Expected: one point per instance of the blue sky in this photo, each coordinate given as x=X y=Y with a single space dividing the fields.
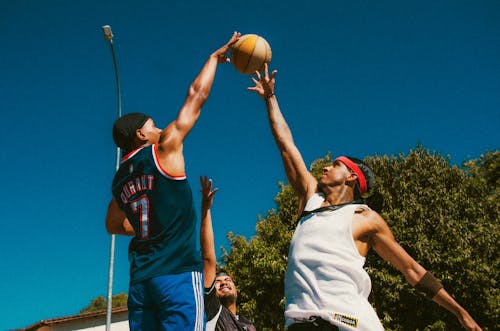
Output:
x=354 y=77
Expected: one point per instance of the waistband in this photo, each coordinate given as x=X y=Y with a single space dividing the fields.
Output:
x=313 y=323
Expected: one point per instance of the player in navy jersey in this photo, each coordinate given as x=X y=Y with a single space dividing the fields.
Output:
x=220 y=290
x=152 y=201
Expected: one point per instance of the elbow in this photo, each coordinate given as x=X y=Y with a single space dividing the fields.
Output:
x=207 y=254
x=108 y=225
x=206 y=260
x=110 y=229
x=122 y=227
x=116 y=221
x=209 y=262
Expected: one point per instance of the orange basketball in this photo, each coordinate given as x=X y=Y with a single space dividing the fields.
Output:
x=250 y=53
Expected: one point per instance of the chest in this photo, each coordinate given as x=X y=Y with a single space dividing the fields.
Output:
x=333 y=231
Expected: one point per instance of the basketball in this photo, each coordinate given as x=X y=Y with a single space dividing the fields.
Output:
x=250 y=53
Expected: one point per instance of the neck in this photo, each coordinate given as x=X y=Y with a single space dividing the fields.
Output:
x=337 y=195
x=229 y=302
x=232 y=308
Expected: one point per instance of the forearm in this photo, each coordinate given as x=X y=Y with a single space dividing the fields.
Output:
x=446 y=301
x=201 y=86
x=279 y=127
x=207 y=238
x=296 y=171
x=200 y=89
x=433 y=289
x=198 y=93
x=207 y=247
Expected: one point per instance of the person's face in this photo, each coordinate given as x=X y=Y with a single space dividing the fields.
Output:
x=224 y=287
x=149 y=132
x=335 y=174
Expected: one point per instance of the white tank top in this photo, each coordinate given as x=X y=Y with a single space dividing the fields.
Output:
x=325 y=275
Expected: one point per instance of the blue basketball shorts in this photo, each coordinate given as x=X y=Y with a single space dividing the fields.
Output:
x=170 y=302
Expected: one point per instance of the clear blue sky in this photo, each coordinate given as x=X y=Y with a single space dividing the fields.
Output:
x=354 y=77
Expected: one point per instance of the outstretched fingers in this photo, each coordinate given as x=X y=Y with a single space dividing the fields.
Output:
x=266 y=71
x=258 y=84
x=264 y=85
x=273 y=74
x=206 y=189
x=221 y=53
x=234 y=38
x=257 y=73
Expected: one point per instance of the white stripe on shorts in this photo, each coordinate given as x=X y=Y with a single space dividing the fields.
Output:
x=197 y=280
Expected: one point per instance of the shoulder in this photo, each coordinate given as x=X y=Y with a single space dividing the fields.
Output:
x=365 y=212
x=368 y=220
x=314 y=201
x=248 y=324
x=212 y=303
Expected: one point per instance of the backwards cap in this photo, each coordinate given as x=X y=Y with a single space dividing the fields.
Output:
x=366 y=177
x=125 y=127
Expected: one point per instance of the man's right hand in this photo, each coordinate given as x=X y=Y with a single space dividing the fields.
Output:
x=221 y=53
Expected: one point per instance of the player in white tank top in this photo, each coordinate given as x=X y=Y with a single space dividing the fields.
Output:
x=325 y=275
x=325 y=279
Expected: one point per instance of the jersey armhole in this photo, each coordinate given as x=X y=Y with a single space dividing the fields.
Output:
x=160 y=168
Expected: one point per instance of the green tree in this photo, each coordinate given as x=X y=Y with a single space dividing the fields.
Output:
x=447 y=219
x=99 y=303
x=445 y=216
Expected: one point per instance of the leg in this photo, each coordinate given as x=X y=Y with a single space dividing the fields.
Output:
x=141 y=313
x=179 y=299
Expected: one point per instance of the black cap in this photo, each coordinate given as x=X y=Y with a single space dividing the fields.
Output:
x=125 y=127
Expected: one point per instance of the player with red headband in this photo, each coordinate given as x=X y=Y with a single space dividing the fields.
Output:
x=326 y=287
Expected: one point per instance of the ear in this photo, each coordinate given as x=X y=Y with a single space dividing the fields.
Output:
x=140 y=135
x=351 y=179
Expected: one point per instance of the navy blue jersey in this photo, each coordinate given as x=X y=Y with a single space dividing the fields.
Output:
x=160 y=208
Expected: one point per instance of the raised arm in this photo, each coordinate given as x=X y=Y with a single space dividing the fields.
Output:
x=206 y=232
x=385 y=245
x=172 y=137
x=296 y=171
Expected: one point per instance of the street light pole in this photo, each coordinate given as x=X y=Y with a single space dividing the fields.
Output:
x=108 y=35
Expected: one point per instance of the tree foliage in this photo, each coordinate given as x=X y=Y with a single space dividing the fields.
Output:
x=446 y=217
x=100 y=303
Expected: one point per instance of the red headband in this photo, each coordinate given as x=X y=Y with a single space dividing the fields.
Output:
x=354 y=167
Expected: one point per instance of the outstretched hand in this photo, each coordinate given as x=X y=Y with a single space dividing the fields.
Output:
x=207 y=193
x=264 y=86
x=221 y=53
